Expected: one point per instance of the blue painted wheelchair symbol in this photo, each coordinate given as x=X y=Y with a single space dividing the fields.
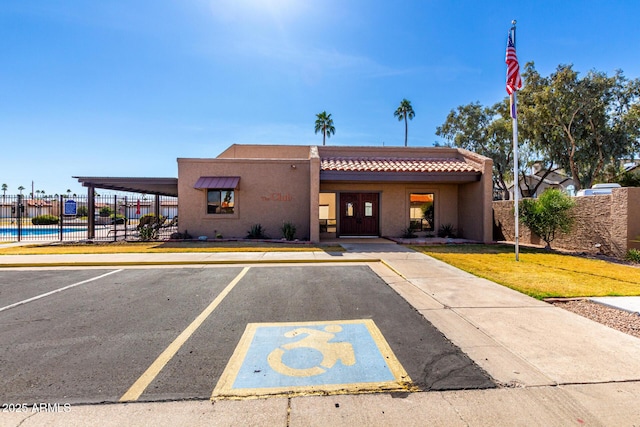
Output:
x=311 y=357
x=316 y=339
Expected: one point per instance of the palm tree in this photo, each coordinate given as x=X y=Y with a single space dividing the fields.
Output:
x=5 y=187
x=324 y=123
x=68 y=192
x=405 y=110
x=20 y=189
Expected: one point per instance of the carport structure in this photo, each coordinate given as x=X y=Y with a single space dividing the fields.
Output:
x=155 y=186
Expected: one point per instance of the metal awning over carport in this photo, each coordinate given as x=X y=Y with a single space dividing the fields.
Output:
x=155 y=186
x=161 y=186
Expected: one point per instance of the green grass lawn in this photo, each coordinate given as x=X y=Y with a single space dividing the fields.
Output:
x=539 y=273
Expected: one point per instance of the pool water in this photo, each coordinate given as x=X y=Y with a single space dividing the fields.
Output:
x=37 y=231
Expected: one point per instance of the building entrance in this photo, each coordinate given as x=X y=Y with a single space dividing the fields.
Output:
x=359 y=214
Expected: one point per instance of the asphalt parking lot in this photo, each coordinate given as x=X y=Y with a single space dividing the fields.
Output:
x=153 y=334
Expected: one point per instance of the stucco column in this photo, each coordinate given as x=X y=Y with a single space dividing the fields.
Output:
x=314 y=194
x=633 y=225
x=487 y=190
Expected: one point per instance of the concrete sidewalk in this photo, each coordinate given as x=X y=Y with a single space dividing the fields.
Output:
x=630 y=304
x=554 y=367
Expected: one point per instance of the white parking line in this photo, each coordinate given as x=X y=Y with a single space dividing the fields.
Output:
x=57 y=290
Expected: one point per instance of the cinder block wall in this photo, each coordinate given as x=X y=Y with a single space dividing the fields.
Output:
x=611 y=221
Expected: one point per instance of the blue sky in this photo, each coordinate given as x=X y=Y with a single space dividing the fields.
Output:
x=124 y=87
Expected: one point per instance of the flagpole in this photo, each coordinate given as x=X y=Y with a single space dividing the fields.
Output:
x=516 y=183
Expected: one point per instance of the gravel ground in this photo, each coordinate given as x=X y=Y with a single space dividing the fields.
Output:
x=621 y=320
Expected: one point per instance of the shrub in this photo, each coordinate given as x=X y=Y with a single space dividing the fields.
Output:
x=547 y=214
x=148 y=232
x=447 y=230
x=256 y=232
x=82 y=211
x=180 y=236
x=45 y=220
x=409 y=233
x=118 y=219
x=105 y=211
x=150 y=219
x=289 y=231
x=633 y=255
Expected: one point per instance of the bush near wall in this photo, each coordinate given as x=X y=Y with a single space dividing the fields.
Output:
x=602 y=224
x=45 y=220
x=633 y=255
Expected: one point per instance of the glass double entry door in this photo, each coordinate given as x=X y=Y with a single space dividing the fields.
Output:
x=359 y=214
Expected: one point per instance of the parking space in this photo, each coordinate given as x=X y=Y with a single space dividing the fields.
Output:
x=174 y=333
x=16 y=286
x=90 y=342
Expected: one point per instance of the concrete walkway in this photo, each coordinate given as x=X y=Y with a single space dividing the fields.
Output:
x=630 y=304
x=554 y=367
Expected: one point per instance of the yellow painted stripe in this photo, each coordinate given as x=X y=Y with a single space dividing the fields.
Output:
x=386 y=264
x=385 y=349
x=150 y=374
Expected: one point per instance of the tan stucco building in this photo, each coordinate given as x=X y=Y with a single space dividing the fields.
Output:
x=328 y=191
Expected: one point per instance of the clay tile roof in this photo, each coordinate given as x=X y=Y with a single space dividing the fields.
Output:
x=37 y=202
x=380 y=164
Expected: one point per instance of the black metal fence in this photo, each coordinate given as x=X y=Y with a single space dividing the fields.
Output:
x=66 y=218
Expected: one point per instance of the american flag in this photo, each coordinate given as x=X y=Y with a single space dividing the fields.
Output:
x=514 y=82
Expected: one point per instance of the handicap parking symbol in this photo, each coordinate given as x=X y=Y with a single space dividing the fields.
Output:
x=319 y=341
x=311 y=357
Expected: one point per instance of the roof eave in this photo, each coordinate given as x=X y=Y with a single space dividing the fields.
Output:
x=161 y=186
x=454 y=177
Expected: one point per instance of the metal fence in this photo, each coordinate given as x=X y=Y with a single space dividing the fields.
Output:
x=66 y=218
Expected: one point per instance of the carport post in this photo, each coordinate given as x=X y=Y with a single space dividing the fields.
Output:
x=61 y=216
x=156 y=206
x=115 y=218
x=126 y=216
x=91 y=220
x=20 y=214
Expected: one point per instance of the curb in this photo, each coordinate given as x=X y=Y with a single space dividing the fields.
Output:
x=386 y=264
x=204 y=262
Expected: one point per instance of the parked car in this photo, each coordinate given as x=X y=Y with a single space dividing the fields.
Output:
x=598 y=190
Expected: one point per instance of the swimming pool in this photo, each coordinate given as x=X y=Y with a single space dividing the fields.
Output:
x=38 y=231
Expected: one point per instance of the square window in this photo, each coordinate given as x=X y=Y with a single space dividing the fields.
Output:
x=220 y=201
